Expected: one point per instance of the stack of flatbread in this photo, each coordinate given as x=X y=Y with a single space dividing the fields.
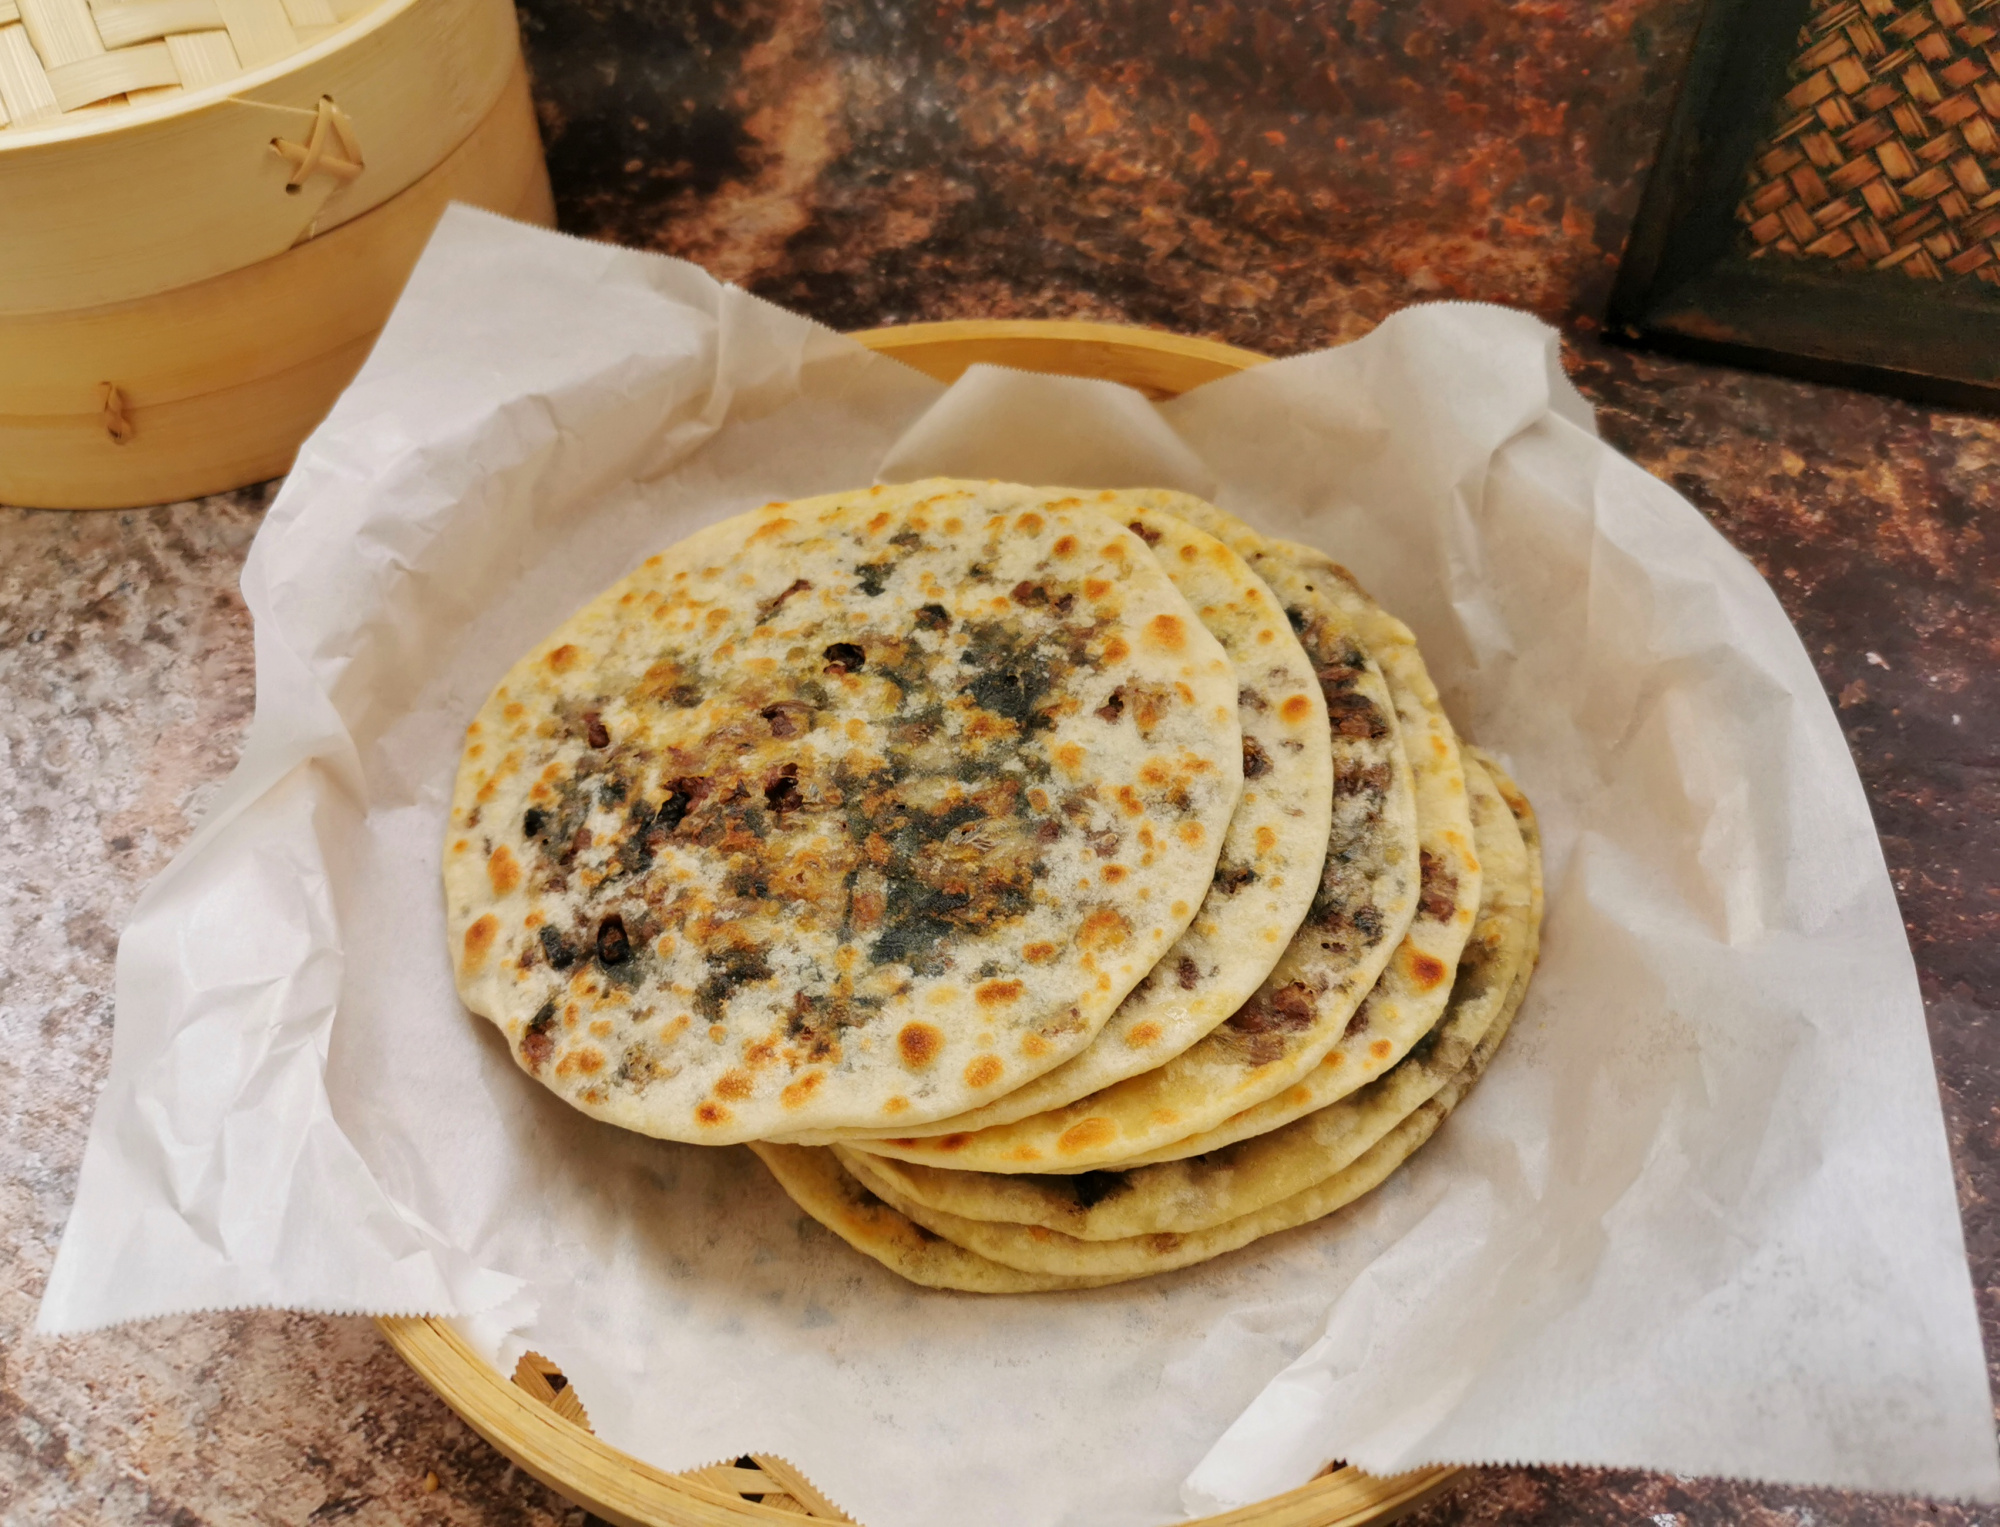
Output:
x=1052 y=888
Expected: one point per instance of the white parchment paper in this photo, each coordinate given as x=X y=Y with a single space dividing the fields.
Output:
x=1698 y=1216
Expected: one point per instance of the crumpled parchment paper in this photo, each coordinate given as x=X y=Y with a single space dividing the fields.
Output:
x=1698 y=1216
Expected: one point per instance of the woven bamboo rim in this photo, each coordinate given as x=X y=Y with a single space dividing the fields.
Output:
x=1885 y=152
x=540 y=1422
x=536 y=1420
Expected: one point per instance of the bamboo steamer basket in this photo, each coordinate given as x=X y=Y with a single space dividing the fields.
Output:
x=543 y=1425
x=171 y=184
x=189 y=274
x=213 y=385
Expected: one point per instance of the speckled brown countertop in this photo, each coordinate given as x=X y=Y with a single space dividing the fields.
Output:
x=1277 y=176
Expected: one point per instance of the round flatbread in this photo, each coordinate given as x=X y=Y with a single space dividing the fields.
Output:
x=814 y=1181
x=1299 y=1147
x=1048 y=1253
x=1410 y=996
x=1485 y=971
x=1367 y=902
x=1531 y=842
x=1271 y=858
x=802 y=824
x=824 y=1187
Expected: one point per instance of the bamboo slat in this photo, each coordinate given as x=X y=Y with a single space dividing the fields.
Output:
x=24 y=84
x=204 y=58
x=307 y=14
x=91 y=55
x=149 y=20
x=260 y=29
x=61 y=31
x=92 y=79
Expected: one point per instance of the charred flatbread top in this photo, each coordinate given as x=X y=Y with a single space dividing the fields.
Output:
x=815 y=820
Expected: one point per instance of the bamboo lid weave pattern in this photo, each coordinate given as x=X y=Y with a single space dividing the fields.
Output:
x=71 y=58
x=1886 y=150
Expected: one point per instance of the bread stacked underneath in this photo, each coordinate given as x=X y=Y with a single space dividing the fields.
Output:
x=1052 y=887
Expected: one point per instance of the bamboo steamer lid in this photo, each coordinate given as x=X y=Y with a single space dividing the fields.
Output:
x=150 y=144
x=212 y=385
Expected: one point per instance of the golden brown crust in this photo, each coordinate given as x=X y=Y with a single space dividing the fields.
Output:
x=815 y=1181
x=1364 y=915
x=806 y=823
x=1272 y=856
x=1295 y=1139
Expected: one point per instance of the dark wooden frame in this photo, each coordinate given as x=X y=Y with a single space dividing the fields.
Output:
x=1687 y=284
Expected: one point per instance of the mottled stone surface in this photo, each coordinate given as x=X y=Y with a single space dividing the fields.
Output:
x=1277 y=176
x=125 y=689
x=1281 y=176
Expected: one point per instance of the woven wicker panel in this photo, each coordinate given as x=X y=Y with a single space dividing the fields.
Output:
x=63 y=59
x=1886 y=150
